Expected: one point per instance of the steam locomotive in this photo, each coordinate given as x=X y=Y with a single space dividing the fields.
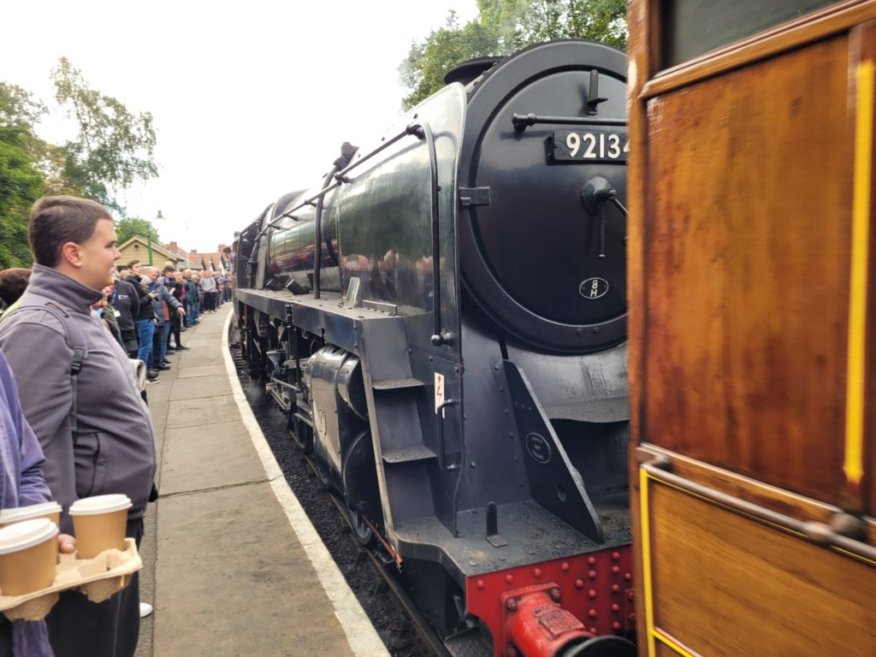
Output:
x=442 y=319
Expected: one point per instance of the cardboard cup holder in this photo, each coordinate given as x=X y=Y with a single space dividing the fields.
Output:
x=99 y=578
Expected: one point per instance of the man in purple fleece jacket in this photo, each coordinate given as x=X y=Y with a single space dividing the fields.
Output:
x=113 y=451
x=21 y=484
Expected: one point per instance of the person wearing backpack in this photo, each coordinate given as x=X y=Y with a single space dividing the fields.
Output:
x=79 y=395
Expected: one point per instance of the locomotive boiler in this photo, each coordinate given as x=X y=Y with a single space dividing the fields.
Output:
x=442 y=318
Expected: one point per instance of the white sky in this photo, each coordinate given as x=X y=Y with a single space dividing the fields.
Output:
x=250 y=100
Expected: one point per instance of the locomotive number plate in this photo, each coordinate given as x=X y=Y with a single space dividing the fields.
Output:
x=590 y=145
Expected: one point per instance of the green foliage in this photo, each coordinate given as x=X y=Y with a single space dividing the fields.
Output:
x=424 y=69
x=128 y=227
x=114 y=146
x=503 y=27
x=520 y=23
x=18 y=107
x=21 y=181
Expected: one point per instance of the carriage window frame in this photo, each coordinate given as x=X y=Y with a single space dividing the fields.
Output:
x=693 y=28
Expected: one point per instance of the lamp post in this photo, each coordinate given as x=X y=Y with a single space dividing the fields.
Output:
x=158 y=217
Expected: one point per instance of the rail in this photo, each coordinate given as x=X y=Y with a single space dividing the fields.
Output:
x=317 y=234
x=341 y=177
x=523 y=121
x=439 y=337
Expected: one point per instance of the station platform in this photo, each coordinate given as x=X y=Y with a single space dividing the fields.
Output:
x=232 y=564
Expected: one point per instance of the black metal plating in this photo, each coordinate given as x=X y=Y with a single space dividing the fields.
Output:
x=496 y=157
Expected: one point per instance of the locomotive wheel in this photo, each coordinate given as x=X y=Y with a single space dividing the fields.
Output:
x=324 y=480
x=602 y=646
x=301 y=435
x=361 y=531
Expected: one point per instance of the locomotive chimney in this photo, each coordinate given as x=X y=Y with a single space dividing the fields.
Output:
x=469 y=70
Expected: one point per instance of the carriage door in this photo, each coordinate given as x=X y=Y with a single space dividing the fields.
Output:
x=752 y=305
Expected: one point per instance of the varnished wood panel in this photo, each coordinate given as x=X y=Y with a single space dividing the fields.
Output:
x=640 y=18
x=745 y=251
x=743 y=488
x=726 y=586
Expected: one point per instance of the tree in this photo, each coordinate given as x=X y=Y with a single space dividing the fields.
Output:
x=21 y=180
x=18 y=107
x=21 y=184
x=503 y=27
x=520 y=23
x=114 y=146
x=128 y=227
x=424 y=69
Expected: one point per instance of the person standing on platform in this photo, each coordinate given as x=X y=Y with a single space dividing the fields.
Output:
x=22 y=484
x=198 y=297
x=208 y=285
x=164 y=305
x=106 y=444
x=177 y=289
x=144 y=320
x=126 y=300
x=13 y=282
x=187 y=298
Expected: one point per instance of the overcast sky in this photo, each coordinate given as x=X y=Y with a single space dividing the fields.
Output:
x=250 y=100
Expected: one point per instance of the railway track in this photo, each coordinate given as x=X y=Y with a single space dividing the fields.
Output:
x=382 y=567
x=402 y=628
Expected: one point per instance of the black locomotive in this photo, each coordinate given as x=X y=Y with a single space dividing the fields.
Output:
x=443 y=321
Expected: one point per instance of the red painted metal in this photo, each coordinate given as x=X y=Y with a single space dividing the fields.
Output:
x=537 y=625
x=596 y=588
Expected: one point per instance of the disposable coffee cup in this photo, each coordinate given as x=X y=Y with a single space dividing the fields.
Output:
x=99 y=524
x=28 y=555
x=50 y=510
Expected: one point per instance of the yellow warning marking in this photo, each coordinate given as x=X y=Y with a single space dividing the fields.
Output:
x=671 y=643
x=856 y=365
x=646 y=560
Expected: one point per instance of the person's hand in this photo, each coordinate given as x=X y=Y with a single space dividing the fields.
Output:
x=181 y=310
x=66 y=544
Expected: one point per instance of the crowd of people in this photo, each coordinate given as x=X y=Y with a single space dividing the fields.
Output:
x=74 y=417
x=145 y=310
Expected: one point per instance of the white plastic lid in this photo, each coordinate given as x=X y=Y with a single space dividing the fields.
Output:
x=28 y=512
x=91 y=506
x=26 y=534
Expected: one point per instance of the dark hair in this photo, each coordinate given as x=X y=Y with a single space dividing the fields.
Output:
x=56 y=220
x=169 y=267
x=13 y=281
x=132 y=263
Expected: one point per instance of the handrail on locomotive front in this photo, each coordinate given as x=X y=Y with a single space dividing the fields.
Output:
x=415 y=129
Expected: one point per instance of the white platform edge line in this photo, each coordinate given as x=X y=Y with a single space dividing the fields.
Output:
x=361 y=635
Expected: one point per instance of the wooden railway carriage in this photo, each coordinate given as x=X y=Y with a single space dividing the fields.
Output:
x=752 y=260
